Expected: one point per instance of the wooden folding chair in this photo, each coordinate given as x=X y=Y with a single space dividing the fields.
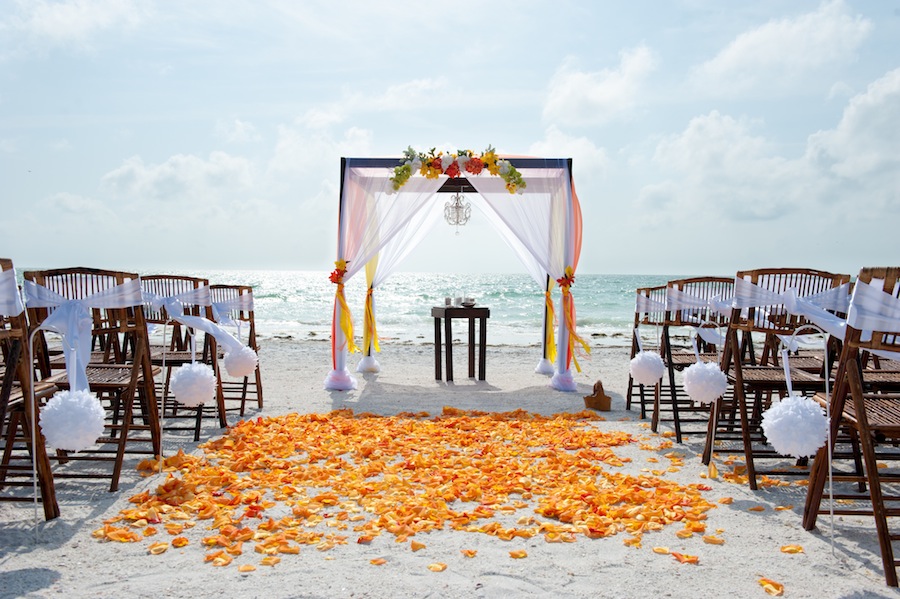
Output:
x=649 y=310
x=690 y=304
x=23 y=455
x=755 y=379
x=869 y=408
x=234 y=304
x=178 y=351
x=123 y=382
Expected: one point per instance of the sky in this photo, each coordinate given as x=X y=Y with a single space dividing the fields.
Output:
x=706 y=136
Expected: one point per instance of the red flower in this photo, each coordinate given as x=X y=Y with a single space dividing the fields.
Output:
x=452 y=170
x=565 y=281
x=437 y=165
x=337 y=276
x=474 y=165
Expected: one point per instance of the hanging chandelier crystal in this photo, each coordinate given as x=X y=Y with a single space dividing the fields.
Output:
x=457 y=211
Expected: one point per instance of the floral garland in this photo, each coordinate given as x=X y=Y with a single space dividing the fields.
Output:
x=432 y=164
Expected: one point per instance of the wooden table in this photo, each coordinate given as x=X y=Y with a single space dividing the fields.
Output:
x=448 y=313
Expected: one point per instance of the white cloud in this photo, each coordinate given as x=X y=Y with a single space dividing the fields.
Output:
x=590 y=98
x=301 y=152
x=719 y=167
x=865 y=147
x=71 y=22
x=184 y=180
x=237 y=131
x=587 y=158
x=783 y=49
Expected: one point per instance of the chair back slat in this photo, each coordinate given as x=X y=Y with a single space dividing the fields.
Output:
x=706 y=288
x=774 y=317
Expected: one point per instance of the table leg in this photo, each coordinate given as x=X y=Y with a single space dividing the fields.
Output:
x=448 y=332
x=471 y=348
x=437 y=349
x=482 y=349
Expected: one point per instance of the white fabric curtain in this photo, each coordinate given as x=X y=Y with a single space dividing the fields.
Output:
x=371 y=214
x=391 y=255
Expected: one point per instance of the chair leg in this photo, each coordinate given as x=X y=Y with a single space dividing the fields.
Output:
x=874 y=478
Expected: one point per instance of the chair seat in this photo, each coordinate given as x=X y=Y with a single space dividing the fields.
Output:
x=103 y=377
x=769 y=377
x=683 y=359
x=807 y=363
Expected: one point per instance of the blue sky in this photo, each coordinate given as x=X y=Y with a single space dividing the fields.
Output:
x=706 y=136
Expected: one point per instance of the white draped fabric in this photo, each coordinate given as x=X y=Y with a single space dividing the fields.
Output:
x=174 y=306
x=377 y=223
x=10 y=300
x=71 y=319
x=389 y=258
x=222 y=310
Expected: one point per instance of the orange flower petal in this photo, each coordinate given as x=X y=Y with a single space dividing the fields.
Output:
x=158 y=548
x=776 y=589
x=378 y=561
x=246 y=568
x=437 y=567
x=661 y=550
x=518 y=554
x=713 y=540
x=178 y=542
x=469 y=552
x=686 y=559
x=791 y=549
x=415 y=545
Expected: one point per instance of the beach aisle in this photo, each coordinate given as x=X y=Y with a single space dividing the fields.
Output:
x=747 y=537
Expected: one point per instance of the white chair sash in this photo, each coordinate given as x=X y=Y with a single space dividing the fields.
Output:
x=10 y=300
x=222 y=310
x=71 y=319
x=815 y=308
x=711 y=335
x=871 y=309
x=174 y=306
x=643 y=304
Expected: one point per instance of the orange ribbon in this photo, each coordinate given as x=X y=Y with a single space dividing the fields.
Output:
x=568 y=302
x=346 y=319
x=370 y=334
x=550 y=337
x=337 y=277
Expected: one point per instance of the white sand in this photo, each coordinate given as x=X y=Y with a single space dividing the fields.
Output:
x=67 y=561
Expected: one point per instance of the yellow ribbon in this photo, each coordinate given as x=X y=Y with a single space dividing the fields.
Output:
x=346 y=319
x=370 y=334
x=569 y=311
x=550 y=337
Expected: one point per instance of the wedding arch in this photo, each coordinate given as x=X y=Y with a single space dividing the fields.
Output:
x=387 y=205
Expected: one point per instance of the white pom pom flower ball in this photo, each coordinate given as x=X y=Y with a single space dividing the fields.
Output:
x=241 y=362
x=795 y=426
x=72 y=420
x=647 y=368
x=705 y=382
x=193 y=384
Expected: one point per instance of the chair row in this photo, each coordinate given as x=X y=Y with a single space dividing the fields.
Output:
x=854 y=376
x=102 y=319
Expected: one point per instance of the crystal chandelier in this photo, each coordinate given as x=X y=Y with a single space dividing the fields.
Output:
x=457 y=211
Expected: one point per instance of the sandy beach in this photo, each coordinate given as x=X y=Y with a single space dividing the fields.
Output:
x=63 y=559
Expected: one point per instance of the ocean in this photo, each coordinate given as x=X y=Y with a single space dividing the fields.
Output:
x=298 y=304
